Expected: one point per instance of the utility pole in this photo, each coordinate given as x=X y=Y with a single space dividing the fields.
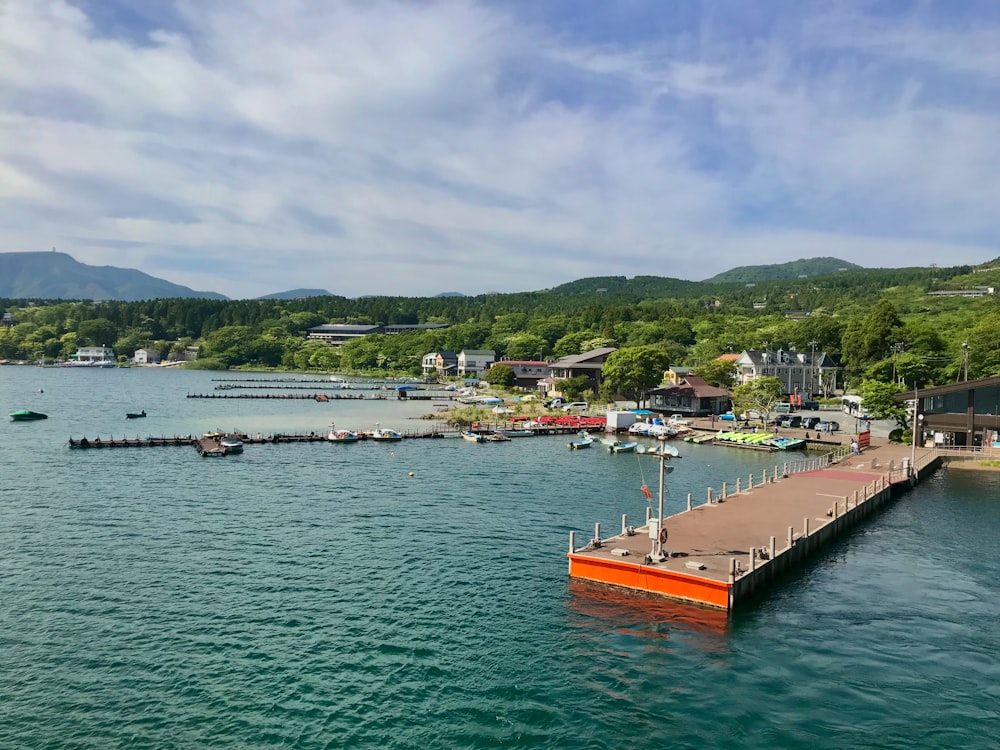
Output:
x=812 y=368
x=965 y=359
x=896 y=349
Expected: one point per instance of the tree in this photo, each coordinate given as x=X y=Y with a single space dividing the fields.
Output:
x=717 y=372
x=759 y=395
x=632 y=371
x=878 y=400
x=501 y=375
x=573 y=389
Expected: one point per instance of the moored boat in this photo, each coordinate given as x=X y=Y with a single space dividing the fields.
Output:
x=622 y=448
x=386 y=435
x=341 y=436
x=473 y=437
x=26 y=415
x=135 y=414
x=584 y=441
x=231 y=444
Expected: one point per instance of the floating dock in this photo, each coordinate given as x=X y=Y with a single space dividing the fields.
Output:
x=744 y=536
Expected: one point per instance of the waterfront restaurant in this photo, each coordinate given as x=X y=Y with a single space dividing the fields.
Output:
x=958 y=415
x=692 y=397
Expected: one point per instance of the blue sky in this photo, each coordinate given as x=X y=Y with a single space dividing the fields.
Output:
x=248 y=147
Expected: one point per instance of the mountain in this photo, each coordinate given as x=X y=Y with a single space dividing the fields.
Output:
x=60 y=276
x=792 y=270
x=298 y=294
x=450 y=294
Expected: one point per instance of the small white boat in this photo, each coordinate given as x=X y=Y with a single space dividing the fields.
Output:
x=516 y=433
x=658 y=450
x=585 y=441
x=622 y=448
x=342 y=436
x=473 y=437
x=386 y=435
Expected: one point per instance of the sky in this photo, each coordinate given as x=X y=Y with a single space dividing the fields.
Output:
x=412 y=148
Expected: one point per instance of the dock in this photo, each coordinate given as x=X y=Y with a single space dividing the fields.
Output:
x=730 y=546
x=204 y=443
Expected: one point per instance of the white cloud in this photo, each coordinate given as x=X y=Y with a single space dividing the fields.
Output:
x=407 y=148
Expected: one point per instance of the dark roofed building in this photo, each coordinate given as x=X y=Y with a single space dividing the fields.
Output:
x=692 y=397
x=588 y=364
x=527 y=371
x=961 y=415
x=340 y=333
x=390 y=330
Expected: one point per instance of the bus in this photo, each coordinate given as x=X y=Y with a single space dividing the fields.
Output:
x=852 y=405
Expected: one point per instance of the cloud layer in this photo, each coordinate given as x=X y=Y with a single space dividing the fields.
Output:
x=413 y=148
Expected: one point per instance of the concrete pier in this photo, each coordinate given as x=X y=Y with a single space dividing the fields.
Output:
x=723 y=552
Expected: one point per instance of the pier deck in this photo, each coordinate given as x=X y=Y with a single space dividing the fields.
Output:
x=722 y=551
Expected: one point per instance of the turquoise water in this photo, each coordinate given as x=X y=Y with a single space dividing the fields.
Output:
x=311 y=596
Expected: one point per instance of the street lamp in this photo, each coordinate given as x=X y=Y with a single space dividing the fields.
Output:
x=917 y=427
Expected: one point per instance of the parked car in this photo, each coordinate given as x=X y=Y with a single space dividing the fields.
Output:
x=553 y=403
x=576 y=406
x=791 y=421
x=810 y=405
x=809 y=423
x=825 y=426
x=783 y=407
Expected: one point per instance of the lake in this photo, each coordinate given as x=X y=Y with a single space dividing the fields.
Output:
x=319 y=596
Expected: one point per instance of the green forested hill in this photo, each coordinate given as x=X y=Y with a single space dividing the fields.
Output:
x=792 y=270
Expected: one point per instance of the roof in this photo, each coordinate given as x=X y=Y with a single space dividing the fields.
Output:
x=692 y=386
x=523 y=362
x=943 y=390
x=731 y=357
x=584 y=359
x=447 y=355
x=343 y=328
x=678 y=370
x=479 y=352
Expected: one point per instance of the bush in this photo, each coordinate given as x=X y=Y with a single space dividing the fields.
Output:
x=901 y=436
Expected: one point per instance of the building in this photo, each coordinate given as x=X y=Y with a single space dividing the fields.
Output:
x=959 y=415
x=94 y=355
x=675 y=374
x=804 y=373
x=527 y=372
x=439 y=364
x=588 y=364
x=146 y=357
x=7 y=321
x=692 y=397
x=979 y=291
x=474 y=362
x=336 y=334
x=391 y=330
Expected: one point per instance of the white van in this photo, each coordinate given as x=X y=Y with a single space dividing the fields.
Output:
x=576 y=406
x=783 y=407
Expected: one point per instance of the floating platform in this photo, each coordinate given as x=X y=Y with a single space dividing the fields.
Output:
x=741 y=539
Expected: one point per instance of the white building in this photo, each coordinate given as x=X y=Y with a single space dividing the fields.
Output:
x=806 y=373
x=95 y=355
x=146 y=356
x=474 y=362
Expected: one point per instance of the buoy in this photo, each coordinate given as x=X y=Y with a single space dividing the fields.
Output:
x=646 y=491
x=411 y=473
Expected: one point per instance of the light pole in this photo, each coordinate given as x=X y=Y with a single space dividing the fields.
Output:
x=918 y=419
x=965 y=359
x=812 y=368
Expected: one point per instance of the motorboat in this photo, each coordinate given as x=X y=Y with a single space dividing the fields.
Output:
x=668 y=451
x=623 y=448
x=473 y=437
x=386 y=435
x=25 y=415
x=341 y=436
x=135 y=414
x=585 y=441
x=231 y=444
